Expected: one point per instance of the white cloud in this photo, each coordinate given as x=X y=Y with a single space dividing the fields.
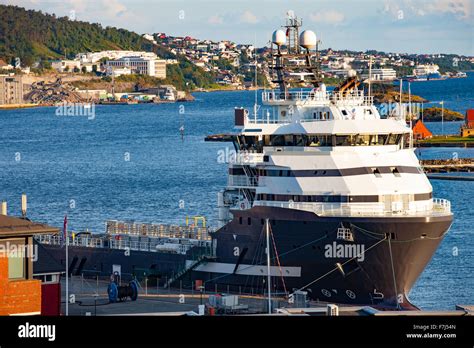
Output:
x=248 y=17
x=461 y=9
x=109 y=11
x=112 y=8
x=215 y=19
x=328 y=17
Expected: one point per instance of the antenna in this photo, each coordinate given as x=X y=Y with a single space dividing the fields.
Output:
x=370 y=76
x=256 y=81
x=409 y=101
x=400 y=100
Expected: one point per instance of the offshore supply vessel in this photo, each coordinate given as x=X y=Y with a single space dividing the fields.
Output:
x=351 y=212
x=324 y=196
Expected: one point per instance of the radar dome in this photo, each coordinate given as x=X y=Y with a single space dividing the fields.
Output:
x=279 y=37
x=308 y=39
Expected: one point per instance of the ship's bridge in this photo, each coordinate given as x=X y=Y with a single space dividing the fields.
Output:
x=308 y=106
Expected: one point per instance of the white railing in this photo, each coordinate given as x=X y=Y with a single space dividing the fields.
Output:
x=90 y=242
x=339 y=98
x=437 y=207
x=442 y=205
x=157 y=230
x=124 y=243
x=242 y=181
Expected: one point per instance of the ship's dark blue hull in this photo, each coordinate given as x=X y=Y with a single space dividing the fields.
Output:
x=100 y=261
x=395 y=252
x=379 y=267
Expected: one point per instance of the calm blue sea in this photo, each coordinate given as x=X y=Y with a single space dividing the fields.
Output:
x=130 y=163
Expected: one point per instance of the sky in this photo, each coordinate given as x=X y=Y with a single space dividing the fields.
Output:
x=403 y=26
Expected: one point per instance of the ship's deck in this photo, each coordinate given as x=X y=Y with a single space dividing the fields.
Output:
x=441 y=207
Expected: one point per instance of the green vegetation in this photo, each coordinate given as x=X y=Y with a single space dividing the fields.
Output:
x=448 y=139
x=448 y=63
x=332 y=81
x=186 y=76
x=388 y=93
x=401 y=70
x=434 y=114
x=34 y=36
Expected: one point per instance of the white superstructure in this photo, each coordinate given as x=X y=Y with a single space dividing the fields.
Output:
x=327 y=152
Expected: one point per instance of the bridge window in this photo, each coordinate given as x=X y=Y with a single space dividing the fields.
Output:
x=248 y=143
x=325 y=140
x=342 y=140
x=395 y=172
x=394 y=139
x=376 y=172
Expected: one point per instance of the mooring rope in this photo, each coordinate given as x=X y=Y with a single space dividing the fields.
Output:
x=278 y=261
x=336 y=268
x=393 y=272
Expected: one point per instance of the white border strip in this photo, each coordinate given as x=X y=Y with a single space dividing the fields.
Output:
x=254 y=270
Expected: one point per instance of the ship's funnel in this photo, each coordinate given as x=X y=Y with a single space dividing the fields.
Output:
x=308 y=39
x=279 y=37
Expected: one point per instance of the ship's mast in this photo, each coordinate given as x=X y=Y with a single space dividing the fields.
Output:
x=267 y=233
x=292 y=60
x=292 y=26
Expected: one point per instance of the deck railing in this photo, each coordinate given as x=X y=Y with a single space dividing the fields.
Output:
x=339 y=98
x=152 y=244
x=158 y=230
x=438 y=206
x=242 y=181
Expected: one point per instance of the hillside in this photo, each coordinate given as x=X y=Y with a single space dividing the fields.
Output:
x=34 y=36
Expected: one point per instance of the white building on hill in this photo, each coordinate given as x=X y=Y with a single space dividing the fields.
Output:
x=138 y=65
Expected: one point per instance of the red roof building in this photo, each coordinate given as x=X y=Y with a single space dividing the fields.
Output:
x=20 y=293
x=420 y=131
